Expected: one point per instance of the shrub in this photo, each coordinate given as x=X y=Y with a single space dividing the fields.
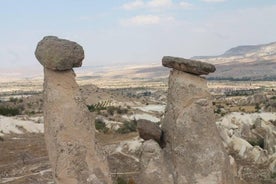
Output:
x=217 y=111
x=273 y=175
x=273 y=122
x=12 y=99
x=121 y=181
x=122 y=110
x=111 y=110
x=30 y=113
x=9 y=111
x=91 y=108
x=128 y=126
x=258 y=142
x=273 y=98
x=257 y=107
x=29 y=104
x=101 y=126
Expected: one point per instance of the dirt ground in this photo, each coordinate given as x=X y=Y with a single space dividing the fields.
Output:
x=24 y=160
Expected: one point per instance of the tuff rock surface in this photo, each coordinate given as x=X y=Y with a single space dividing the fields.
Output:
x=153 y=165
x=250 y=140
x=193 y=149
x=59 y=54
x=69 y=127
x=124 y=160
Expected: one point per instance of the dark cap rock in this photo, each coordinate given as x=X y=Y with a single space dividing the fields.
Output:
x=188 y=65
x=59 y=54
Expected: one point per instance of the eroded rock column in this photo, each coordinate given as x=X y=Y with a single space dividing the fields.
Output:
x=69 y=127
x=193 y=149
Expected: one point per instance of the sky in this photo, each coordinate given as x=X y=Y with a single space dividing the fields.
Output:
x=114 y=32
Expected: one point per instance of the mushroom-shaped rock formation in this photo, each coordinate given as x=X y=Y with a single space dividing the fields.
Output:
x=69 y=127
x=187 y=65
x=59 y=54
x=193 y=152
x=193 y=144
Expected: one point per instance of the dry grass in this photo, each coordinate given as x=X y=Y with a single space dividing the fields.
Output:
x=247 y=109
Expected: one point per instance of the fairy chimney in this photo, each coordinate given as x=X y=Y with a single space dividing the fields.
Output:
x=69 y=127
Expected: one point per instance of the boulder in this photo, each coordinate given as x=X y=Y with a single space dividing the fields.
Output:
x=124 y=165
x=267 y=132
x=124 y=161
x=188 y=65
x=59 y=54
x=153 y=165
x=252 y=144
x=272 y=165
x=260 y=98
x=149 y=130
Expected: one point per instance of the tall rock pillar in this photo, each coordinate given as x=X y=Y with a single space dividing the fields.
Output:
x=69 y=127
x=193 y=149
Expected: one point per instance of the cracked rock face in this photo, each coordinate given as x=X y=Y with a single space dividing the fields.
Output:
x=69 y=127
x=193 y=151
x=59 y=54
x=193 y=145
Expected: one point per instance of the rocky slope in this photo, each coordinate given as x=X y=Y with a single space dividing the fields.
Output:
x=24 y=156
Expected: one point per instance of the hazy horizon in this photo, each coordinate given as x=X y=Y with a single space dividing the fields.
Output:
x=133 y=31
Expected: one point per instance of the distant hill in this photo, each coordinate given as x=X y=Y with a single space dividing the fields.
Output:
x=250 y=62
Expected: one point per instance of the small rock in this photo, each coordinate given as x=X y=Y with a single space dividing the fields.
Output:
x=272 y=165
x=59 y=54
x=187 y=65
x=123 y=163
x=153 y=164
x=149 y=130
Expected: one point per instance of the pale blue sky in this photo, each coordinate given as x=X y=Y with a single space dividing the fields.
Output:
x=133 y=31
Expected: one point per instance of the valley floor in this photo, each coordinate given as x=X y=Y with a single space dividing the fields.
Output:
x=23 y=155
